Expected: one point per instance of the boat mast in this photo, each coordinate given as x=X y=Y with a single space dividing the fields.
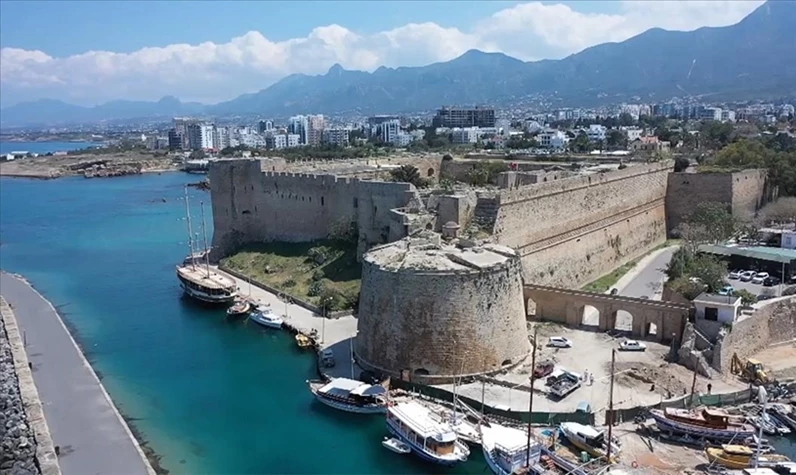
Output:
x=190 y=229
x=530 y=398
x=351 y=348
x=611 y=407
x=204 y=239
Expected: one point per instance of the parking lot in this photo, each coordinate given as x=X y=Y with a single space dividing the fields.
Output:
x=756 y=289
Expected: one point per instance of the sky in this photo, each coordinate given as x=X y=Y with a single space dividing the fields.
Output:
x=90 y=52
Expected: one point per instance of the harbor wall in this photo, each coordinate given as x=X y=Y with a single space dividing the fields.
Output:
x=254 y=201
x=573 y=230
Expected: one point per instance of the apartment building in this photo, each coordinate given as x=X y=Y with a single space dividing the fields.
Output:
x=453 y=117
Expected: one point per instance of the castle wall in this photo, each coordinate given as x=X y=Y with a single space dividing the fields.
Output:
x=253 y=203
x=742 y=192
x=572 y=231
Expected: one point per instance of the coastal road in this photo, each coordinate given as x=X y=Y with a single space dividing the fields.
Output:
x=84 y=423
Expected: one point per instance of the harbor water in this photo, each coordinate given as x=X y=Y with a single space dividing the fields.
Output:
x=207 y=395
x=44 y=147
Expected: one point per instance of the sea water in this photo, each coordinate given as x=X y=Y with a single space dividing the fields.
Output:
x=44 y=147
x=207 y=395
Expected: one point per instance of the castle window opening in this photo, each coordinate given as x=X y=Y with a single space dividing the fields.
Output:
x=421 y=372
x=302 y=198
x=321 y=200
x=505 y=363
x=245 y=211
x=356 y=202
x=430 y=172
x=310 y=198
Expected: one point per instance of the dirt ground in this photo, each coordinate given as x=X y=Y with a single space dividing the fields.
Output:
x=659 y=457
x=779 y=360
x=105 y=164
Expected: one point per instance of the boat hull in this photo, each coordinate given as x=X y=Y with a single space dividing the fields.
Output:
x=667 y=425
x=420 y=451
x=266 y=323
x=718 y=457
x=341 y=406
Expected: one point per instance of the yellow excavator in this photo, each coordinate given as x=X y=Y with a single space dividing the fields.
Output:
x=751 y=370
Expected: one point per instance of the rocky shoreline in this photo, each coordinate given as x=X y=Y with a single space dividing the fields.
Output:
x=17 y=442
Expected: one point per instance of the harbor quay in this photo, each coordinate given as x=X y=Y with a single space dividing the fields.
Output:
x=87 y=431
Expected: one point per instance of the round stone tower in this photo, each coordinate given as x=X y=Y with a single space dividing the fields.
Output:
x=434 y=311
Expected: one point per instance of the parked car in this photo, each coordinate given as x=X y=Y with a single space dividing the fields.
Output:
x=747 y=276
x=727 y=290
x=771 y=281
x=632 y=345
x=760 y=277
x=736 y=274
x=543 y=369
x=559 y=342
x=327 y=358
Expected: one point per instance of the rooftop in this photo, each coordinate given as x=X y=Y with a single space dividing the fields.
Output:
x=427 y=251
x=421 y=421
x=763 y=253
x=717 y=299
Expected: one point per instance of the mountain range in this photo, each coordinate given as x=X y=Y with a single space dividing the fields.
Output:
x=753 y=58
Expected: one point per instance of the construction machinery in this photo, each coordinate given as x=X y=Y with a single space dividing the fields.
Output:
x=751 y=370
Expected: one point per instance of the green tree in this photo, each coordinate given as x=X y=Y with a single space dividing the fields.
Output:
x=679 y=264
x=710 y=222
x=616 y=139
x=686 y=287
x=747 y=298
x=709 y=270
x=715 y=135
x=681 y=164
x=408 y=174
x=580 y=144
x=625 y=119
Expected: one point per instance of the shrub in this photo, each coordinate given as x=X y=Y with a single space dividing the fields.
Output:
x=289 y=283
x=318 y=275
x=316 y=288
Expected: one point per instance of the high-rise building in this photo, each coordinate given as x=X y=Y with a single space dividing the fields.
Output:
x=265 y=126
x=221 y=137
x=175 y=140
x=390 y=130
x=337 y=137
x=315 y=126
x=458 y=117
x=201 y=136
x=298 y=125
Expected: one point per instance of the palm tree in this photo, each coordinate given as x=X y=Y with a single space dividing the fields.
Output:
x=407 y=174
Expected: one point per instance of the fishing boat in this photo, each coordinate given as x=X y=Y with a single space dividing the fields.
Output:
x=266 y=317
x=785 y=417
x=741 y=456
x=432 y=441
x=303 y=341
x=350 y=395
x=395 y=445
x=764 y=424
x=506 y=449
x=590 y=439
x=240 y=308
x=196 y=278
x=708 y=423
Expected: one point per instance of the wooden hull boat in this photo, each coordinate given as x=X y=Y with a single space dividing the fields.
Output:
x=740 y=457
x=239 y=309
x=303 y=341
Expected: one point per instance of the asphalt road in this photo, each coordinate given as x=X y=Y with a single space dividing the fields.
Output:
x=83 y=422
x=649 y=281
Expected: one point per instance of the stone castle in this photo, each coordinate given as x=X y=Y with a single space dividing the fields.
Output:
x=422 y=301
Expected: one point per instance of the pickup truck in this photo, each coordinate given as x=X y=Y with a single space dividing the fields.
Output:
x=564 y=385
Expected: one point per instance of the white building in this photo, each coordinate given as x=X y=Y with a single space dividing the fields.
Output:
x=222 y=137
x=503 y=126
x=727 y=116
x=709 y=113
x=717 y=308
x=337 y=137
x=293 y=140
x=315 y=126
x=596 y=132
x=389 y=131
x=633 y=133
x=532 y=126
x=276 y=141
x=467 y=135
x=553 y=139
x=201 y=136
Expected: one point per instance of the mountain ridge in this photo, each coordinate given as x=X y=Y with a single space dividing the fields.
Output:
x=747 y=57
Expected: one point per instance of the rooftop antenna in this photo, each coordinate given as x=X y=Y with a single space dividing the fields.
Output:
x=190 y=229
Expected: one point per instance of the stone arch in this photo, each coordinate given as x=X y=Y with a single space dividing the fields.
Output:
x=622 y=320
x=530 y=307
x=590 y=316
x=430 y=172
x=421 y=372
x=506 y=362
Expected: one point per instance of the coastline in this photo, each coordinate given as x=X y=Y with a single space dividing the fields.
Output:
x=45 y=177
x=149 y=459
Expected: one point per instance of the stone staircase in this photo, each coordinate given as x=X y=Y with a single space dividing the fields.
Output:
x=486 y=210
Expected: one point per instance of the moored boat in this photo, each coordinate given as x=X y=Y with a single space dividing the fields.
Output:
x=395 y=445
x=741 y=456
x=240 y=308
x=590 y=439
x=708 y=423
x=350 y=395
x=433 y=441
x=303 y=341
x=266 y=317
x=506 y=449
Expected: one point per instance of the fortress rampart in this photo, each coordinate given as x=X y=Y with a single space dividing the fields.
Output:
x=571 y=231
x=255 y=201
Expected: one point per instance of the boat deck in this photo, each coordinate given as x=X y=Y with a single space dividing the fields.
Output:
x=200 y=275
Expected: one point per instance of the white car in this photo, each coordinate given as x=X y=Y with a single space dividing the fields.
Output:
x=759 y=277
x=632 y=345
x=747 y=276
x=736 y=274
x=559 y=342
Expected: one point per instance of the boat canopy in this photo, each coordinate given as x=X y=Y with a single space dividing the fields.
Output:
x=340 y=387
x=368 y=390
x=420 y=421
x=737 y=450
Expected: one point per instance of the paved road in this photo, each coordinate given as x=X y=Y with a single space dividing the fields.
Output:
x=649 y=280
x=82 y=420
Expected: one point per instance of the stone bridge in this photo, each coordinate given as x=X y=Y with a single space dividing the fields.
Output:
x=567 y=306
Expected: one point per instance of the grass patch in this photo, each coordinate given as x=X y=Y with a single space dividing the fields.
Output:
x=307 y=270
x=609 y=280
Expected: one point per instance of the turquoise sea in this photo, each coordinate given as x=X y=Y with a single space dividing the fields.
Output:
x=44 y=147
x=207 y=395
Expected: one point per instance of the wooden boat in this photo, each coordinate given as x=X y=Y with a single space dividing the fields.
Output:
x=784 y=417
x=432 y=441
x=506 y=449
x=708 y=423
x=240 y=308
x=303 y=341
x=741 y=456
x=590 y=439
x=395 y=445
x=350 y=395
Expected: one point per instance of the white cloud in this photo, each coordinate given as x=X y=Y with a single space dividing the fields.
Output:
x=211 y=72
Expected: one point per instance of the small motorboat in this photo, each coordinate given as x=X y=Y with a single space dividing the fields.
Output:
x=240 y=308
x=303 y=341
x=266 y=317
x=395 y=445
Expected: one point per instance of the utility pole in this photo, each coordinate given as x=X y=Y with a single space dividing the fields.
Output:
x=693 y=382
x=530 y=398
x=611 y=407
